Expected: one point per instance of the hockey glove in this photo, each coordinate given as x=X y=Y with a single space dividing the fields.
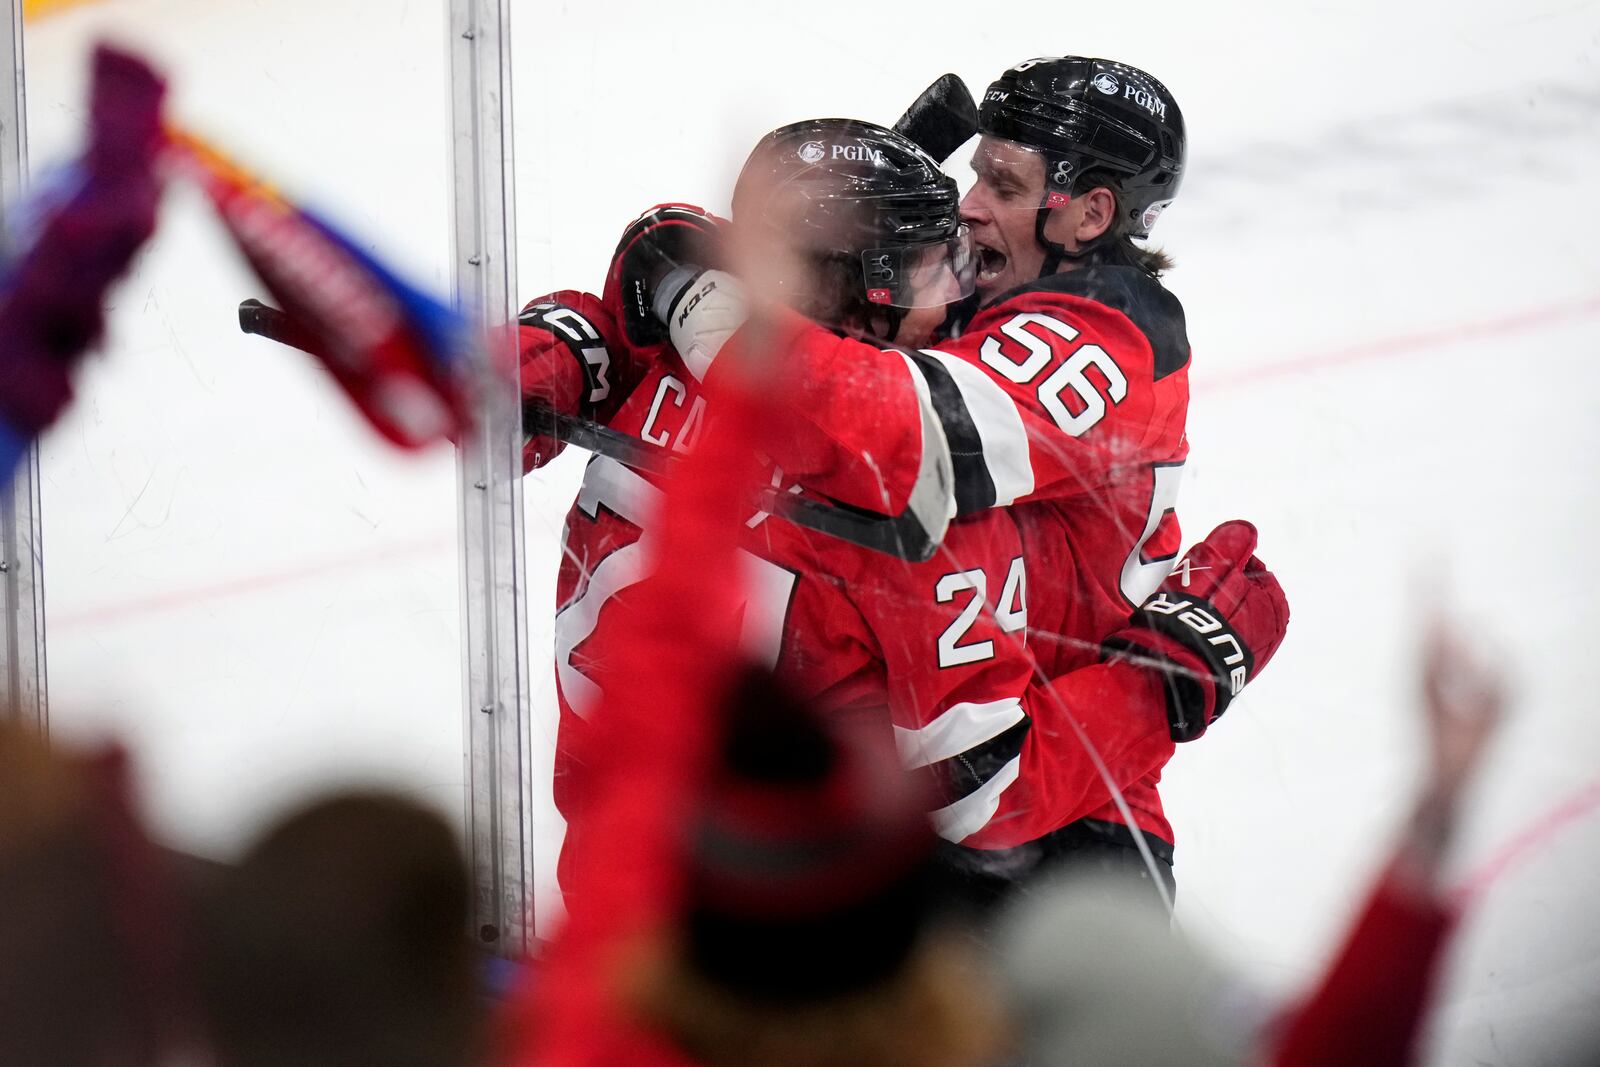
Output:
x=1211 y=627
x=668 y=246
x=565 y=366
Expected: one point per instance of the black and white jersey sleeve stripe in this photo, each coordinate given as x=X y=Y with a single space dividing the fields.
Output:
x=975 y=749
x=933 y=497
x=987 y=439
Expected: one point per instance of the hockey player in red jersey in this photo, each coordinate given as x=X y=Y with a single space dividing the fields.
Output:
x=1066 y=394
x=1070 y=384
x=1077 y=160
x=851 y=629
x=853 y=632
x=848 y=628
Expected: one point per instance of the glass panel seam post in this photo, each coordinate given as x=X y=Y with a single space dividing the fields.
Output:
x=22 y=659
x=489 y=472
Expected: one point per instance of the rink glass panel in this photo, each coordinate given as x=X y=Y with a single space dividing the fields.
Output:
x=246 y=584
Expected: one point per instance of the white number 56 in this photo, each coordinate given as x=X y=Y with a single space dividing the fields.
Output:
x=1036 y=356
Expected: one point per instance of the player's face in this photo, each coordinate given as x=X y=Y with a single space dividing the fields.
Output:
x=935 y=279
x=918 y=327
x=932 y=283
x=914 y=284
x=1001 y=208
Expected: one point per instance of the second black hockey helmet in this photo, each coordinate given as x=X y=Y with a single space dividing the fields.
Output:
x=860 y=190
x=1093 y=116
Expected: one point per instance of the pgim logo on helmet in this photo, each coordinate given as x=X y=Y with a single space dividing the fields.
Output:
x=1106 y=83
x=1146 y=99
x=817 y=151
x=858 y=153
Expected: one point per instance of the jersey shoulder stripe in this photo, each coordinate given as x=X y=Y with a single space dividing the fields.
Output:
x=973 y=485
x=1003 y=464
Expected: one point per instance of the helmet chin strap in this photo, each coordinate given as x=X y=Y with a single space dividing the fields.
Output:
x=896 y=316
x=1054 y=251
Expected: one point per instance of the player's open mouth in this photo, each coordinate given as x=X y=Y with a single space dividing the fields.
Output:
x=990 y=264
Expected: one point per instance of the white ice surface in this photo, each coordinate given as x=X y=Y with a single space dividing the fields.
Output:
x=261 y=599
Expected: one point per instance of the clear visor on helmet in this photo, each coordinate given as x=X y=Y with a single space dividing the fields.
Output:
x=930 y=274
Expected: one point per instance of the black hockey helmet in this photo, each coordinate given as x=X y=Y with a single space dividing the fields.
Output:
x=1093 y=117
x=853 y=189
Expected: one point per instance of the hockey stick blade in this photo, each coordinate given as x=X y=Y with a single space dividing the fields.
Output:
x=902 y=536
x=942 y=119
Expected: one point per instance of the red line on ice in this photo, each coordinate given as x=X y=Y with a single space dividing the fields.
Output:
x=1529 y=838
x=1407 y=344
x=253 y=583
x=1403 y=344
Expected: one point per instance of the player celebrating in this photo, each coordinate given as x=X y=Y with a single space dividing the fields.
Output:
x=846 y=627
x=862 y=209
x=1078 y=159
x=1065 y=395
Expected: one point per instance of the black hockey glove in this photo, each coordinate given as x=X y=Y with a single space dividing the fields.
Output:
x=670 y=244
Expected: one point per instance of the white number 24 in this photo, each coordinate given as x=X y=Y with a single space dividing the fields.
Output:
x=1011 y=614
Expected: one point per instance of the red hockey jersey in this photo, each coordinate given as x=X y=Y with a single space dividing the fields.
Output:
x=1066 y=400
x=940 y=644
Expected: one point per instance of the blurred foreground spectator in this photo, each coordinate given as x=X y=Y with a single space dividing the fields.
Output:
x=1095 y=980
x=339 y=940
x=90 y=923
x=762 y=893
x=808 y=932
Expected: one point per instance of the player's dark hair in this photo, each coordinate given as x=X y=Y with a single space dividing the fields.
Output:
x=1116 y=247
x=836 y=297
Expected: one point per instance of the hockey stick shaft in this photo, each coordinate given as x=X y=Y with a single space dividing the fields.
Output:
x=904 y=540
x=900 y=536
